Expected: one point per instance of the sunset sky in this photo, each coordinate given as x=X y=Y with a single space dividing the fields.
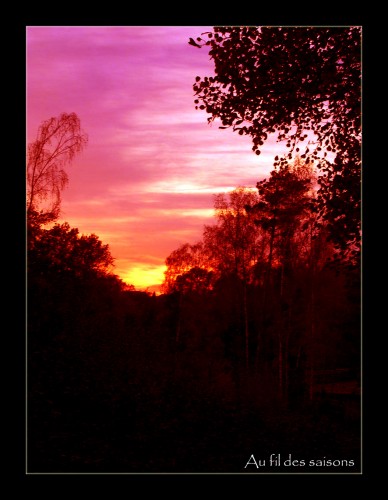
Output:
x=145 y=182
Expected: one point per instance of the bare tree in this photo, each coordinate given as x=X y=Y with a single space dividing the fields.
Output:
x=58 y=140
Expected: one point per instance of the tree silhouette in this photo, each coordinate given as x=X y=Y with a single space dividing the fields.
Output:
x=303 y=84
x=58 y=140
x=181 y=262
x=284 y=200
x=232 y=242
x=62 y=251
x=284 y=212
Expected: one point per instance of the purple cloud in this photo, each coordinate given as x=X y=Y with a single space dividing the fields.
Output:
x=146 y=180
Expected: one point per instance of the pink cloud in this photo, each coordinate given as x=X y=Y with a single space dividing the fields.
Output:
x=146 y=180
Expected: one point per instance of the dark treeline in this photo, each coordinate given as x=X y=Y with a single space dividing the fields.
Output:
x=253 y=348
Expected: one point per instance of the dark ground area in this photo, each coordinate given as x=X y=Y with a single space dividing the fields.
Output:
x=183 y=434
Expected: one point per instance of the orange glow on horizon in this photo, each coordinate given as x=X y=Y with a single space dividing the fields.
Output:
x=143 y=276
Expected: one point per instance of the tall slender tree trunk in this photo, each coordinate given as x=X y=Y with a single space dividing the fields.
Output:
x=312 y=339
x=285 y=300
x=312 y=321
x=246 y=325
x=283 y=341
x=282 y=281
x=287 y=364
x=267 y=277
x=280 y=340
x=177 y=355
x=280 y=367
x=179 y=321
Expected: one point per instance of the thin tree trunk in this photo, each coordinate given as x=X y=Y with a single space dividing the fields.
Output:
x=287 y=364
x=177 y=356
x=246 y=325
x=312 y=338
x=280 y=329
x=280 y=368
x=179 y=322
x=281 y=280
x=261 y=328
x=312 y=322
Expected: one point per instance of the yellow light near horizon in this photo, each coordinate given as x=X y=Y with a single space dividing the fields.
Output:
x=143 y=277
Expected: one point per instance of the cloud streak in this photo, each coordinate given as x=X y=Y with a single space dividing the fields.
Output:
x=145 y=182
